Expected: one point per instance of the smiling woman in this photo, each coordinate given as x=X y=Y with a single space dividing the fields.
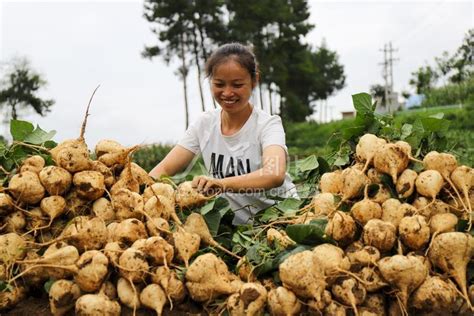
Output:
x=243 y=147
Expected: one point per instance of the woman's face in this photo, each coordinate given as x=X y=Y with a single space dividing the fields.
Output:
x=231 y=86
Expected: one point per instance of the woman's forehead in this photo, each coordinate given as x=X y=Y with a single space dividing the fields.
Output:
x=230 y=70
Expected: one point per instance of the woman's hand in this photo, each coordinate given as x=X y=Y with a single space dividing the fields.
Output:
x=208 y=185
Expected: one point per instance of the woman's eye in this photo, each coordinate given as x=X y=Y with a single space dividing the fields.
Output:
x=218 y=85
x=238 y=85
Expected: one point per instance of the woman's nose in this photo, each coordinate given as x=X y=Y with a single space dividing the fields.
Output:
x=227 y=91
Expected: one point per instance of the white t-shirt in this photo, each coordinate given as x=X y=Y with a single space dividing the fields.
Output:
x=239 y=154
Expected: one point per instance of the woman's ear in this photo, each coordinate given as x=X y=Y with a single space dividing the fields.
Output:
x=256 y=80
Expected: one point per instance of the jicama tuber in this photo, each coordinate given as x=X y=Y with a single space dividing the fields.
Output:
x=382 y=235
x=133 y=265
x=302 y=274
x=366 y=147
x=128 y=231
x=6 y=204
x=62 y=296
x=283 y=302
x=349 y=291
x=406 y=183
x=128 y=293
x=170 y=283
x=96 y=304
x=187 y=196
x=435 y=295
x=451 y=252
x=405 y=273
x=391 y=159
x=353 y=184
x=153 y=297
x=365 y=210
x=414 y=232
x=89 y=184
x=323 y=203
x=331 y=182
x=56 y=180
x=26 y=187
x=207 y=278
x=196 y=224
x=33 y=163
x=159 y=188
x=127 y=204
x=341 y=227
x=93 y=269
x=186 y=244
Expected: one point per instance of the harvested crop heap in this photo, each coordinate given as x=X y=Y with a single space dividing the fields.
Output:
x=104 y=235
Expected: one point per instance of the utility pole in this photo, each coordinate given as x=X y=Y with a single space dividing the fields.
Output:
x=387 y=73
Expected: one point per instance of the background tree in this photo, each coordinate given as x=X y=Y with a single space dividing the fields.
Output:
x=19 y=88
x=378 y=92
x=423 y=79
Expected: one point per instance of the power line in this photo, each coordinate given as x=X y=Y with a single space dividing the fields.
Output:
x=387 y=74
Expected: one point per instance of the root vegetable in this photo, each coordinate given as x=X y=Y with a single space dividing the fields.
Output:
x=153 y=297
x=405 y=273
x=331 y=260
x=427 y=209
x=334 y=309
x=406 y=183
x=128 y=231
x=113 y=251
x=75 y=206
x=251 y=298
x=280 y=238
x=140 y=174
x=54 y=206
x=89 y=184
x=15 y=222
x=366 y=147
x=354 y=181
x=109 y=178
x=159 y=206
x=463 y=179
x=72 y=155
x=188 y=197
x=127 y=204
x=382 y=195
x=156 y=226
x=103 y=209
x=365 y=210
x=26 y=187
x=186 y=244
x=127 y=179
x=435 y=295
x=9 y=299
x=56 y=180
x=360 y=255
x=283 y=302
x=375 y=303
x=96 y=304
x=341 y=227
x=6 y=204
x=93 y=269
x=106 y=146
x=414 y=232
x=207 y=278
x=374 y=176
x=302 y=274
x=12 y=248
x=108 y=289
x=331 y=182
x=323 y=203
x=244 y=269
x=36 y=220
x=443 y=223
x=159 y=188
x=349 y=291
x=62 y=296
x=393 y=212
x=373 y=281
x=157 y=250
x=33 y=163
x=133 y=265
x=391 y=159
x=451 y=252
x=168 y=280
x=111 y=153
x=380 y=234
x=429 y=183
x=128 y=293
x=86 y=233
x=196 y=224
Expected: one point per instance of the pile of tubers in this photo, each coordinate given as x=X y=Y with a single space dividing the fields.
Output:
x=110 y=237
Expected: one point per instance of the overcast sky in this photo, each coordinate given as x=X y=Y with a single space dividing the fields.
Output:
x=77 y=45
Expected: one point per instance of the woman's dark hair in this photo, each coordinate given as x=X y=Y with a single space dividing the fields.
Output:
x=236 y=51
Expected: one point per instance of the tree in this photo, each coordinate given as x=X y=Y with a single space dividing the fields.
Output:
x=20 y=86
x=378 y=92
x=423 y=79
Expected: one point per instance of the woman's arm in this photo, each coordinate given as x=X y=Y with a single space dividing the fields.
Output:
x=271 y=175
x=176 y=160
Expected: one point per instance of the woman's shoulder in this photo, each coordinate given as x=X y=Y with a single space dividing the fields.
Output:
x=264 y=118
x=207 y=117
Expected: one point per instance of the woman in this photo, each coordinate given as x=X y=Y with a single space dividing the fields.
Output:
x=243 y=147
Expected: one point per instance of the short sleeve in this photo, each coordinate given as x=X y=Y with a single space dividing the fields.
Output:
x=190 y=140
x=273 y=133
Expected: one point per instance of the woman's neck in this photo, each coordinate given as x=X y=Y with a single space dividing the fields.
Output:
x=231 y=123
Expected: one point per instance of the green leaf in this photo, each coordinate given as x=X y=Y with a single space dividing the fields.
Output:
x=289 y=205
x=406 y=131
x=39 y=136
x=208 y=207
x=48 y=284
x=213 y=217
x=307 y=164
x=363 y=103
x=309 y=234
x=270 y=214
x=20 y=129
x=50 y=144
x=431 y=124
x=323 y=166
x=5 y=286
x=439 y=115
x=342 y=160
